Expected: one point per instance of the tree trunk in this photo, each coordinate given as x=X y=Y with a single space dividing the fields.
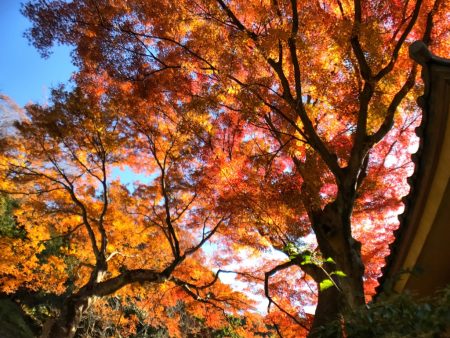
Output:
x=70 y=317
x=333 y=232
x=328 y=309
x=69 y=320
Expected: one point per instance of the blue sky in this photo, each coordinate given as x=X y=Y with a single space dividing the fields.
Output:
x=24 y=75
x=27 y=77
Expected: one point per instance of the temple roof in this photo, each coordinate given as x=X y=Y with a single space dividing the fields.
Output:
x=422 y=241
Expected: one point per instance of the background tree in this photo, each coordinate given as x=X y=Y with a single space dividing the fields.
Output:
x=87 y=234
x=118 y=317
x=305 y=95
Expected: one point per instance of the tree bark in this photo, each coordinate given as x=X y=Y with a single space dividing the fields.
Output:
x=333 y=231
x=328 y=309
x=70 y=317
x=69 y=320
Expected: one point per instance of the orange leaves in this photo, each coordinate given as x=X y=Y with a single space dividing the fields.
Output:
x=21 y=267
x=86 y=227
x=235 y=120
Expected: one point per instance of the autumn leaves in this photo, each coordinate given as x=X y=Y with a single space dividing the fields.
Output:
x=254 y=123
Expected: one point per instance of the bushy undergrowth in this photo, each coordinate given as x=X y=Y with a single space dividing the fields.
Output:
x=396 y=316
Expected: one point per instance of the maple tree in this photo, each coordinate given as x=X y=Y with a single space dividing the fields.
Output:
x=88 y=235
x=282 y=119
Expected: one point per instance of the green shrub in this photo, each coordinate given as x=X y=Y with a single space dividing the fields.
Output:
x=396 y=316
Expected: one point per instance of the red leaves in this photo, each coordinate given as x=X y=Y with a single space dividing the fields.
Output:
x=241 y=120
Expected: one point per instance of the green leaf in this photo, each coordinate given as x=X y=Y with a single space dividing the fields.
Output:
x=306 y=260
x=330 y=260
x=326 y=284
x=339 y=273
x=291 y=250
x=8 y=224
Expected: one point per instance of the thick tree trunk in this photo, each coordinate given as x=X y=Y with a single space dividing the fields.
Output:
x=66 y=325
x=332 y=228
x=328 y=308
x=334 y=302
x=70 y=318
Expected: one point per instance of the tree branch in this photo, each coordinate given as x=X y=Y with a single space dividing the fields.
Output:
x=364 y=67
x=267 y=276
x=204 y=239
x=400 y=42
x=236 y=21
x=398 y=97
x=293 y=50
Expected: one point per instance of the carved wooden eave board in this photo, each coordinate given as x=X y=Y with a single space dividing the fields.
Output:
x=422 y=241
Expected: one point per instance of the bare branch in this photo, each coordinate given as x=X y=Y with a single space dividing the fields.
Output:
x=236 y=21
x=205 y=238
x=400 y=42
x=293 y=51
x=364 y=68
x=389 y=119
x=267 y=276
x=429 y=25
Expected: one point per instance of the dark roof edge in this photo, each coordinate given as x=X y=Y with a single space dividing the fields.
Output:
x=420 y=53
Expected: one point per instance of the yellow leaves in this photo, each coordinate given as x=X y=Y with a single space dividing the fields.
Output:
x=21 y=268
x=188 y=26
x=199 y=119
x=54 y=274
x=196 y=274
x=226 y=172
x=110 y=248
x=233 y=89
x=166 y=286
x=121 y=225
